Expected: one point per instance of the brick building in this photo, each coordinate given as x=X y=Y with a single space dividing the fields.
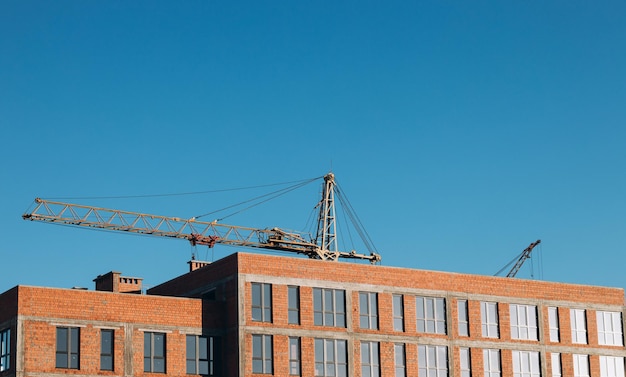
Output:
x=250 y=314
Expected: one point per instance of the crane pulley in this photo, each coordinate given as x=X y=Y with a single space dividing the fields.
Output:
x=323 y=246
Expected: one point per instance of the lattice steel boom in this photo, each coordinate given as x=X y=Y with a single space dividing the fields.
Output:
x=196 y=232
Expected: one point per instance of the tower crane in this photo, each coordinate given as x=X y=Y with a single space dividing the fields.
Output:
x=323 y=246
x=520 y=260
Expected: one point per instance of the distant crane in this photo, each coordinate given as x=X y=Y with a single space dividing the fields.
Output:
x=323 y=246
x=520 y=260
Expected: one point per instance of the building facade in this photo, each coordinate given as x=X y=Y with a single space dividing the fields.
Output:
x=253 y=314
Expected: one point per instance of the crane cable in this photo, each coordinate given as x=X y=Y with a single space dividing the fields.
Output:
x=272 y=195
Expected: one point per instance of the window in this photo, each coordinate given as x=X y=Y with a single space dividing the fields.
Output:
x=610 y=328
x=463 y=318
x=261 y=302
x=432 y=361
x=293 y=305
x=294 y=356
x=553 y=319
x=331 y=358
x=154 y=352
x=400 y=360
x=556 y=364
x=200 y=355
x=581 y=365
x=611 y=366
x=398 y=313
x=368 y=310
x=489 y=314
x=370 y=360
x=491 y=362
x=431 y=315
x=329 y=307
x=466 y=365
x=5 y=350
x=579 y=326
x=262 y=354
x=106 y=349
x=523 y=322
x=526 y=364
x=68 y=347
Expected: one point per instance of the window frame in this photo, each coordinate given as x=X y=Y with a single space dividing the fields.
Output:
x=323 y=361
x=431 y=312
x=5 y=349
x=261 y=297
x=465 y=362
x=553 y=324
x=263 y=355
x=398 y=312
x=368 y=310
x=424 y=361
x=196 y=362
x=463 y=318
x=399 y=359
x=490 y=321
x=555 y=361
x=67 y=357
x=333 y=316
x=522 y=359
x=370 y=359
x=523 y=322
x=611 y=366
x=293 y=305
x=492 y=362
x=578 y=321
x=153 y=354
x=107 y=354
x=609 y=335
x=295 y=356
x=581 y=360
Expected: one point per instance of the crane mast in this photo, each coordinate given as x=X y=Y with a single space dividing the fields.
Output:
x=323 y=247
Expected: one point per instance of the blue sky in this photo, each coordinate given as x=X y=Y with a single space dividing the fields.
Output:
x=460 y=131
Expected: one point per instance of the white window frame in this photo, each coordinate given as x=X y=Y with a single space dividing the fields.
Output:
x=523 y=321
x=370 y=359
x=432 y=361
x=368 y=310
x=399 y=351
x=489 y=319
x=431 y=315
x=398 y=313
x=492 y=363
x=526 y=364
x=329 y=307
x=295 y=357
x=581 y=365
x=578 y=320
x=609 y=328
x=611 y=366
x=553 y=320
x=463 y=317
x=465 y=362
x=331 y=356
x=555 y=359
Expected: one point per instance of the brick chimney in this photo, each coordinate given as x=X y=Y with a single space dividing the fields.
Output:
x=114 y=282
x=196 y=264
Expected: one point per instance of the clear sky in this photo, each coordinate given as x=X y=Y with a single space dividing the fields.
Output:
x=460 y=131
